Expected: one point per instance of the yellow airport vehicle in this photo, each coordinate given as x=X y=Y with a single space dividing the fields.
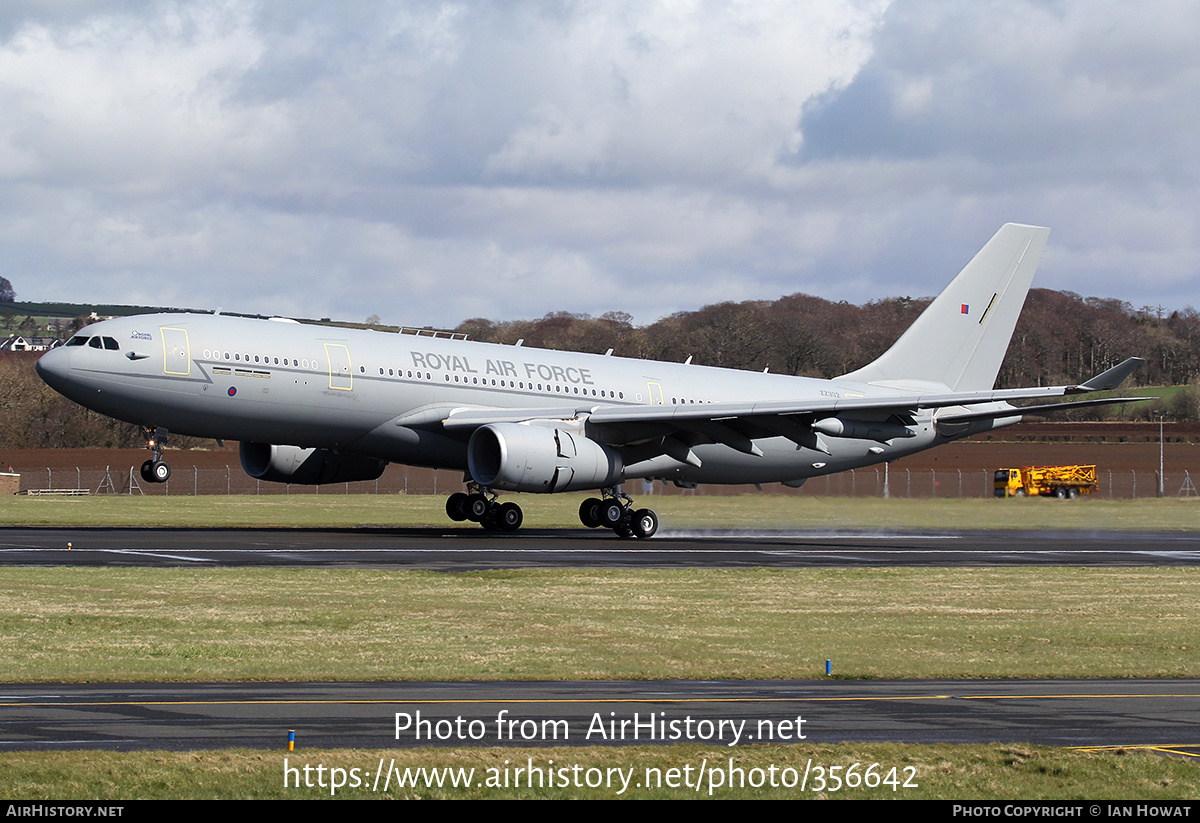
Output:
x=1047 y=481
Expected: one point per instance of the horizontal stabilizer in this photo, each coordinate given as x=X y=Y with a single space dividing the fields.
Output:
x=1045 y=408
x=1112 y=378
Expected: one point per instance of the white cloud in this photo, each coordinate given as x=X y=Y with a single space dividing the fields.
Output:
x=1076 y=115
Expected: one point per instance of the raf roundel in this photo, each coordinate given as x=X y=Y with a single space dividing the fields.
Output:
x=232 y=391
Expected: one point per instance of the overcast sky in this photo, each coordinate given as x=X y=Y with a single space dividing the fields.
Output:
x=430 y=162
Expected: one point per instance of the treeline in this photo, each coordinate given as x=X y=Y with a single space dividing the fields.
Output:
x=34 y=416
x=70 y=310
x=1061 y=338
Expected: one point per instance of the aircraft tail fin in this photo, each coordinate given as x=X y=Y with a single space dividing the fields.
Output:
x=960 y=340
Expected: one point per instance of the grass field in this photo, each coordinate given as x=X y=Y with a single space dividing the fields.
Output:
x=561 y=511
x=125 y=624
x=996 y=772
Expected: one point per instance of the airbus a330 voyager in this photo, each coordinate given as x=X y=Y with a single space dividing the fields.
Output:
x=320 y=404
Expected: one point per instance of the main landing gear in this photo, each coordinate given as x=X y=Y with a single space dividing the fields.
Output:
x=615 y=511
x=481 y=506
x=155 y=470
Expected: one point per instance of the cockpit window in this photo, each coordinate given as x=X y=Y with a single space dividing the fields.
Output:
x=109 y=343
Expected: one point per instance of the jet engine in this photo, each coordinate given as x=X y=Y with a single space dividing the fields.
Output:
x=311 y=467
x=523 y=458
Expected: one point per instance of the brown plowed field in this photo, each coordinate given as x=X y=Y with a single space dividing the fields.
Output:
x=1126 y=456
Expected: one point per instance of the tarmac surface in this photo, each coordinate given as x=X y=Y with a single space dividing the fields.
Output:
x=1157 y=714
x=465 y=549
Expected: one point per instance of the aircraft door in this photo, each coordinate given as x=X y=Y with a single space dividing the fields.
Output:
x=340 y=374
x=654 y=391
x=177 y=358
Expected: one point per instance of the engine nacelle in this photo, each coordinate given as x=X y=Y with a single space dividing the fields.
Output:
x=521 y=458
x=311 y=467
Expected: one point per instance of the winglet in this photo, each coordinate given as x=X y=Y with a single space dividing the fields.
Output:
x=1109 y=379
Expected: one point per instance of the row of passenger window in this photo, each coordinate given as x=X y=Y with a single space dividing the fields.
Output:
x=304 y=363
x=210 y=354
x=505 y=383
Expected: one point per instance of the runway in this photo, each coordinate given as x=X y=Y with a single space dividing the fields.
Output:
x=1158 y=714
x=465 y=549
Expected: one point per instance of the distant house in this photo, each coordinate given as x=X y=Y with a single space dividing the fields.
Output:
x=20 y=343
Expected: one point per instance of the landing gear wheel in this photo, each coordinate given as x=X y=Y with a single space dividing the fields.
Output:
x=456 y=507
x=160 y=471
x=155 y=470
x=589 y=512
x=479 y=504
x=615 y=511
x=644 y=523
x=510 y=517
x=611 y=513
x=477 y=507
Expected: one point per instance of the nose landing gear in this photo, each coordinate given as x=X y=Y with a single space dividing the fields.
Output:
x=155 y=470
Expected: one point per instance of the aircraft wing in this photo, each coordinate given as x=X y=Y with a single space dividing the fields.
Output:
x=737 y=424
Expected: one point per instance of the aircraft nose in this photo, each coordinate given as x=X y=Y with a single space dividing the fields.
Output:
x=54 y=367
